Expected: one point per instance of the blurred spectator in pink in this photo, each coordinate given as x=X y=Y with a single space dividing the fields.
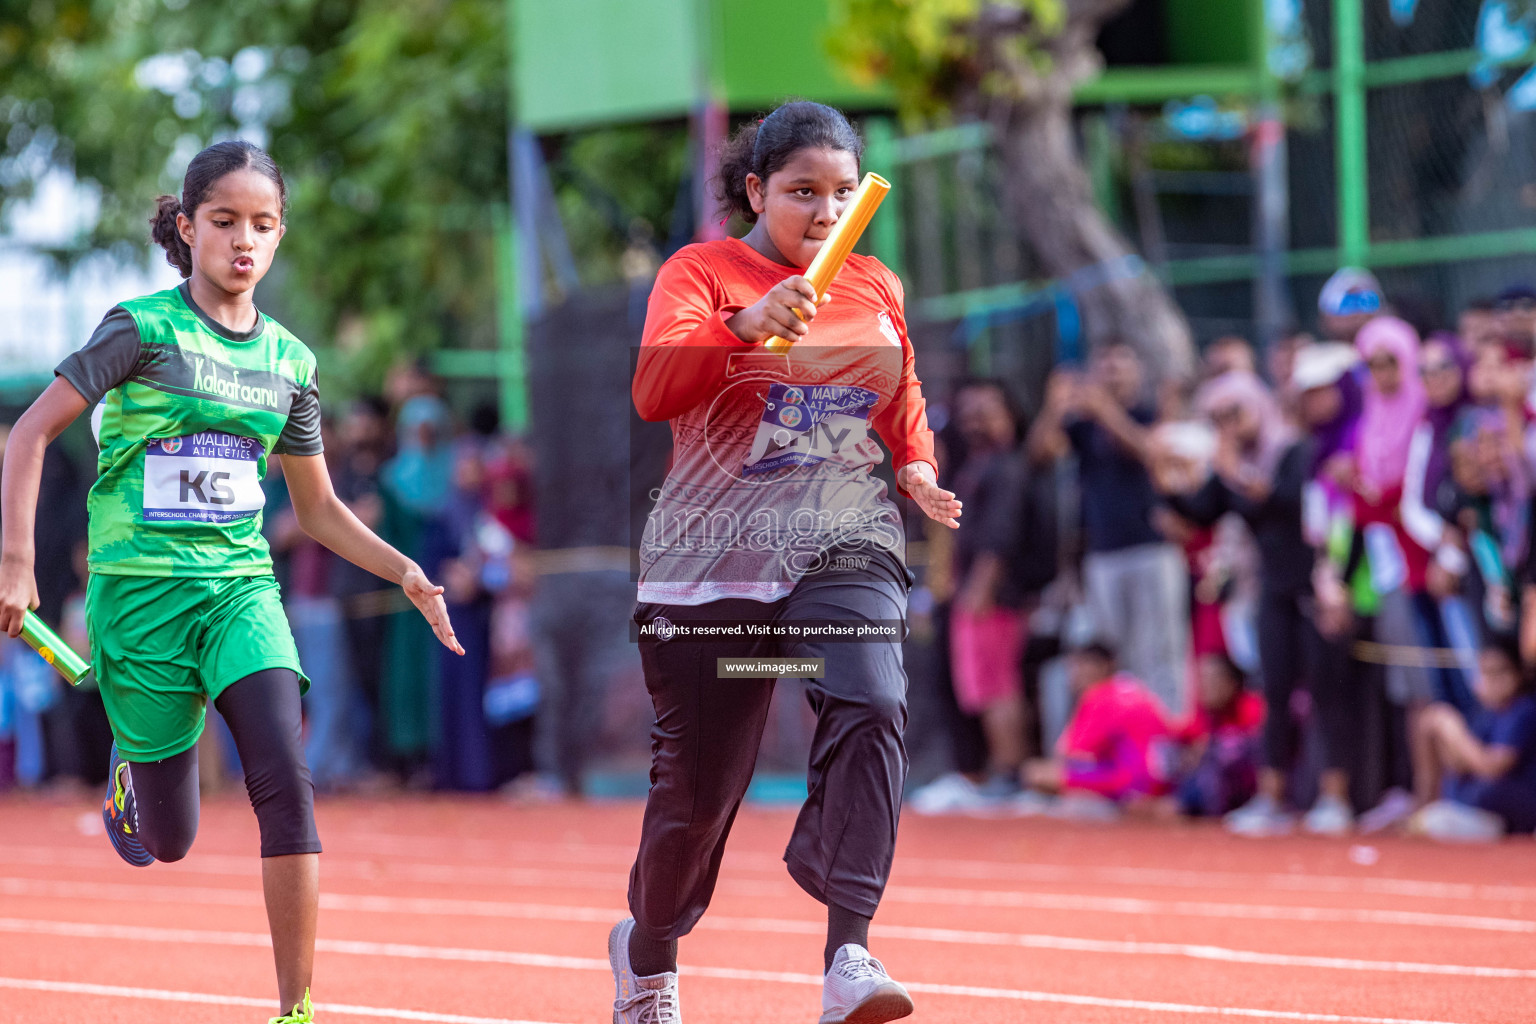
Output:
x=1118 y=744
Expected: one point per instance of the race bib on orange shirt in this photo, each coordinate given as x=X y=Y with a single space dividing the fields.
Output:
x=805 y=424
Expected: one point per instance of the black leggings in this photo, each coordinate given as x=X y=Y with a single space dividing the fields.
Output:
x=1292 y=651
x=265 y=717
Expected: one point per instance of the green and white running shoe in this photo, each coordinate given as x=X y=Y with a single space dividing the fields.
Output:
x=302 y=1013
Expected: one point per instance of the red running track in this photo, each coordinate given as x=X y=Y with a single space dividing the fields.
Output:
x=467 y=911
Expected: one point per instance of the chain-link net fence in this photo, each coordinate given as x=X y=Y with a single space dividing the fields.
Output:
x=1449 y=184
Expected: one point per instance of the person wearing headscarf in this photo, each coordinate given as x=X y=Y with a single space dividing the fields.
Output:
x=1445 y=366
x=1430 y=501
x=1393 y=403
x=1428 y=490
x=509 y=490
x=417 y=488
x=1396 y=402
x=420 y=476
x=1259 y=471
x=1428 y=613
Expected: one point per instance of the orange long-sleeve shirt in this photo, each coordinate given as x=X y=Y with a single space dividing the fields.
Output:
x=772 y=454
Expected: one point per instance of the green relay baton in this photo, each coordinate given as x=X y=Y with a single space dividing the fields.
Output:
x=52 y=649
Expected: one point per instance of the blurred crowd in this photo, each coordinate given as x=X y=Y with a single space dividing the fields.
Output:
x=387 y=705
x=1299 y=595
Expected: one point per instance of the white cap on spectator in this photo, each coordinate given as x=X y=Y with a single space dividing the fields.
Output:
x=1349 y=291
x=1318 y=366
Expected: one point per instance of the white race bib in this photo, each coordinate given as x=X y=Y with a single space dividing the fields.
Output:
x=210 y=476
x=802 y=424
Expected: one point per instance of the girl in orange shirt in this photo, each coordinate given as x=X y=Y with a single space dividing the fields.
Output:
x=771 y=537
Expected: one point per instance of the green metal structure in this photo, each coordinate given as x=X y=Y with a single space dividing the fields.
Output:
x=667 y=58
x=1349 y=133
x=1349 y=87
x=701 y=59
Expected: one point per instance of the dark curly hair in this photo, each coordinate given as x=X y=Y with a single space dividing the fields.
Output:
x=764 y=146
x=202 y=174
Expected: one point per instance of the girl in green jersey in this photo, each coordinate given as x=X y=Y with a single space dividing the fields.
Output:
x=193 y=390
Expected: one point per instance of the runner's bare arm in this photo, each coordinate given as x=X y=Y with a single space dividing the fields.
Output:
x=324 y=517
x=56 y=408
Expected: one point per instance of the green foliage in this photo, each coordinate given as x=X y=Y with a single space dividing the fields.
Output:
x=929 y=50
x=388 y=116
x=398 y=159
x=615 y=186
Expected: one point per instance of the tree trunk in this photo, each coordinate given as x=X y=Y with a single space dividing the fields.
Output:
x=1048 y=196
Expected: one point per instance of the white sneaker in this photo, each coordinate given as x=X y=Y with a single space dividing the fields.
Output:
x=648 y=1000
x=1260 y=818
x=1456 y=823
x=1330 y=816
x=946 y=794
x=858 y=991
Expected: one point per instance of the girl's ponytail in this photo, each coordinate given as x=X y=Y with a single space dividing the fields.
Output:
x=163 y=230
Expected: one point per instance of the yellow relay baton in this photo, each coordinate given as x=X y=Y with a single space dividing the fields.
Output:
x=52 y=648
x=834 y=251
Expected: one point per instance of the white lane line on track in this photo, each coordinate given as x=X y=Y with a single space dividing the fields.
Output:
x=936 y=897
x=1189 y=908
x=386 y=845
x=426 y=907
x=1208 y=881
x=381 y=870
x=416 y=952
x=172 y=996
x=599 y=853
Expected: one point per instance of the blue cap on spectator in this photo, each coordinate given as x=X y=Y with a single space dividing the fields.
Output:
x=1349 y=291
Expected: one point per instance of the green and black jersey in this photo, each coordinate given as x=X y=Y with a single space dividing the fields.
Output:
x=187 y=413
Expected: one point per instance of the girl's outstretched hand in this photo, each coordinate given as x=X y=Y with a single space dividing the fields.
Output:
x=917 y=479
x=428 y=599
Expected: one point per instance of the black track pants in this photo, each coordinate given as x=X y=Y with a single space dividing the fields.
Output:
x=705 y=741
